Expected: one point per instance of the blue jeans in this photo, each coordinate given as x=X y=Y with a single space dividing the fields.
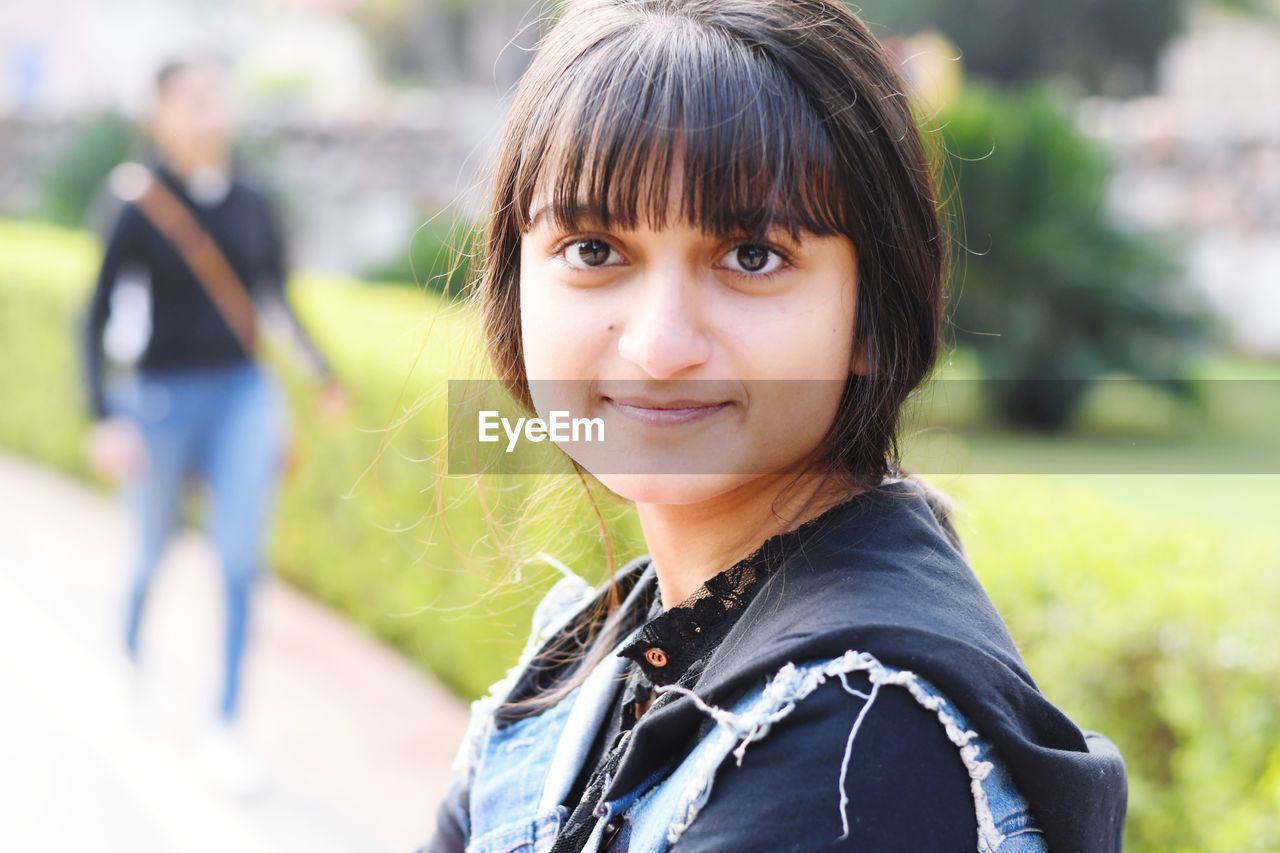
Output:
x=228 y=427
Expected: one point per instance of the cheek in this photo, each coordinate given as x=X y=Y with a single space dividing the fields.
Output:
x=564 y=333
x=805 y=336
x=802 y=347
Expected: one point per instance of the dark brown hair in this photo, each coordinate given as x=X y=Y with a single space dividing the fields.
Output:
x=784 y=114
x=174 y=67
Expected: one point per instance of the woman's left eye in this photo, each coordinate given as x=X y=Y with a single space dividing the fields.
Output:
x=754 y=260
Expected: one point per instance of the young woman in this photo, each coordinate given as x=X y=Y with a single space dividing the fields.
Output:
x=197 y=403
x=714 y=227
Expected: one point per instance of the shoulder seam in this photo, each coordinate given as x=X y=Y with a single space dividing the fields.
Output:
x=791 y=683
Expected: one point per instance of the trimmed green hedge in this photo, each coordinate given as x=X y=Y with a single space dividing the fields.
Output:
x=366 y=522
x=1155 y=625
x=1144 y=606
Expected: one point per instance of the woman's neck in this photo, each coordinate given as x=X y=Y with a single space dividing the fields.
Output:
x=205 y=180
x=185 y=165
x=690 y=544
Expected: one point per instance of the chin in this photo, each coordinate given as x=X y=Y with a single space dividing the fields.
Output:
x=675 y=489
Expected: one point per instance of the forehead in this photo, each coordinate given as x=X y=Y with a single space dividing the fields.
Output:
x=643 y=129
x=634 y=203
x=543 y=209
x=200 y=79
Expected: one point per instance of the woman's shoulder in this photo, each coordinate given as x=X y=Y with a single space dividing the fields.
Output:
x=885 y=571
x=882 y=596
x=572 y=594
x=849 y=750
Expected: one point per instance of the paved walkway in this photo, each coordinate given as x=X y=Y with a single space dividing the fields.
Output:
x=358 y=742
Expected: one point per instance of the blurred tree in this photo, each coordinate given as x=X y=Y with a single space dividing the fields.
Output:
x=73 y=185
x=1107 y=46
x=74 y=176
x=436 y=257
x=1048 y=290
x=450 y=42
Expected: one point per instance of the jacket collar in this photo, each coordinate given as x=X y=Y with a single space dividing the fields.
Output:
x=879 y=575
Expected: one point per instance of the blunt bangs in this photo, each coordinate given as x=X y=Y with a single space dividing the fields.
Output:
x=643 y=100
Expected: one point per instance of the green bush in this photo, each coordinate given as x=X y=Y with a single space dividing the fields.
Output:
x=1144 y=607
x=1099 y=45
x=73 y=179
x=1049 y=291
x=436 y=257
x=367 y=522
x=1155 y=626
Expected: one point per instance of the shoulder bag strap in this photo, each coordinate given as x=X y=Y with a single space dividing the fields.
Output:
x=136 y=183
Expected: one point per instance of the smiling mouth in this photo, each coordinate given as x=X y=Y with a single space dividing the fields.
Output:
x=667 y=413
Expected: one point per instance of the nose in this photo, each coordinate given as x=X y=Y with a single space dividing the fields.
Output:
x=664 y=333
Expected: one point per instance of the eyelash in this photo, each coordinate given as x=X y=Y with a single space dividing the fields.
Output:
x=784 y=256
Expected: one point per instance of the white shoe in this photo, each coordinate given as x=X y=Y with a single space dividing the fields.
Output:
x=135 y=692
x=230 y=764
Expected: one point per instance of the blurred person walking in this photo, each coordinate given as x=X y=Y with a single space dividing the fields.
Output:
x=193 y=261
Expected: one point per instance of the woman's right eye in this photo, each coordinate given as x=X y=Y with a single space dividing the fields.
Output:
x=587 y=253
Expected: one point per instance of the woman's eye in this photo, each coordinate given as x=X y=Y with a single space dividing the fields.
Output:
x=588 y=253
x=753 y=259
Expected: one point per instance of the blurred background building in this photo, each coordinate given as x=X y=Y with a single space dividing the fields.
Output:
x=318 y=102
x=1201 y=155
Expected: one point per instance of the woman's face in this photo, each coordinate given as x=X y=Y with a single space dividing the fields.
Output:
x=711 y=359
x=192 y=118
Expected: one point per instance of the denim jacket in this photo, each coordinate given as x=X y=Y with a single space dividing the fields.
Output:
x=510 y=781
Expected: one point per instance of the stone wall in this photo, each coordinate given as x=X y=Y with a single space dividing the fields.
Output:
x=352 y=191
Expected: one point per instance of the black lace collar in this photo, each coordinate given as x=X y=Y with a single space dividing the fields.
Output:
x=668 y=646
x=671 y=641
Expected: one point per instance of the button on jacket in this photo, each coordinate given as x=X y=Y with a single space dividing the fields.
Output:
x=868 y=696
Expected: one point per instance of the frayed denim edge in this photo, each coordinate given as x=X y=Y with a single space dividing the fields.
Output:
x=557 y=607
x=779 y=698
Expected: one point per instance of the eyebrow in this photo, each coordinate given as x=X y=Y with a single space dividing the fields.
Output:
x=584 y=214
x=538 y=214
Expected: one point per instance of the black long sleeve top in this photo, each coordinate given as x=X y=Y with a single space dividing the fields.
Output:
x=186 y=329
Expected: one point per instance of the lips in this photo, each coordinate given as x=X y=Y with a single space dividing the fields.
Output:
x=665 y=412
